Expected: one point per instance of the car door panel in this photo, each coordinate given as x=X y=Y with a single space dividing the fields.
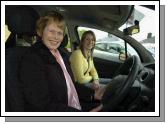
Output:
x=106 y=68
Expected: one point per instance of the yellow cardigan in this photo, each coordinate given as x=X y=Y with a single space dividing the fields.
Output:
x=79 y=66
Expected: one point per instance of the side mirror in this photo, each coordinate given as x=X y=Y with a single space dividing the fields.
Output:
x=133 y=29
x=122 y=56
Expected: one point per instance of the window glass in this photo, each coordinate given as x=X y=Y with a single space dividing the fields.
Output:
x=7 y=32
x=68 y=46
x=108 y=46
x=146 y=18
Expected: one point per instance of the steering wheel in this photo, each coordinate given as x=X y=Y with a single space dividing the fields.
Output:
x=124 y=78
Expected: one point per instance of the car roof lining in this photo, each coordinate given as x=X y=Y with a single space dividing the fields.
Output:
x=106 y=16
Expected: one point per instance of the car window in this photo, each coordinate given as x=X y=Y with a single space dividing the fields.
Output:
x=68 y=46
x=7 y=32
x=101 y=46
x=115 y=48
x=146 y=36
x=108 y=46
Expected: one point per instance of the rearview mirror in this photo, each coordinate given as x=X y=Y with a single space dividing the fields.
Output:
x=133 y=29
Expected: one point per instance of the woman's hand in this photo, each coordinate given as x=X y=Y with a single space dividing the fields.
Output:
x=97 y=109
x=99 y=92
x=95 y=84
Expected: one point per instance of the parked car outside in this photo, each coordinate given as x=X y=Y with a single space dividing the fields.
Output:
x=109 y=50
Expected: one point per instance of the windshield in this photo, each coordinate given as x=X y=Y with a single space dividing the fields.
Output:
x=146 y=18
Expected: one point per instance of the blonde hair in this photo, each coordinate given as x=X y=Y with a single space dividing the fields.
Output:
x=50 y=17
x=83 y=39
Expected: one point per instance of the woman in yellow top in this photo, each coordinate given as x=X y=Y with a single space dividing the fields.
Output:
x=82 y=61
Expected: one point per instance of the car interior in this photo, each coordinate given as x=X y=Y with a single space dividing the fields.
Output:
x=133 y=80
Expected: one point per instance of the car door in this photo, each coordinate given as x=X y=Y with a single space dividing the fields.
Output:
x=106 y=59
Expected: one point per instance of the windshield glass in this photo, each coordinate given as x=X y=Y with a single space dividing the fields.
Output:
x=146 y=36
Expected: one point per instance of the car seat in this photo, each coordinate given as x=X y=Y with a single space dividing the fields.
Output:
x=63 y=45
x=22 y=21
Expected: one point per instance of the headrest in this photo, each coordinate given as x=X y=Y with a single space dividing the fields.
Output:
x=22 y=20
x=65 y=41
